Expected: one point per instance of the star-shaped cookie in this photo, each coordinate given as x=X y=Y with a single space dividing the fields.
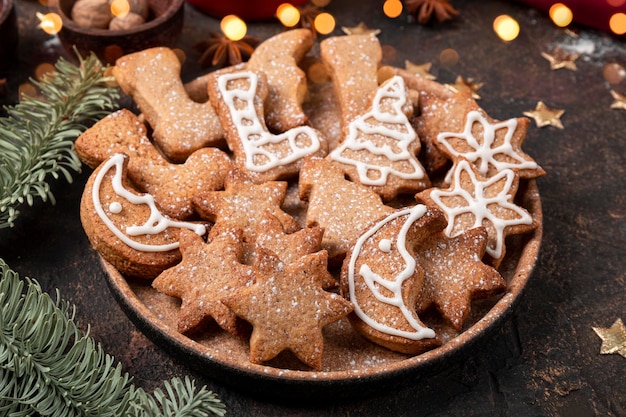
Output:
x=473 y=200
x=288 y=307
x=207 y=273
x=490 y=145
x=243 y=203
x=289 y=247
x=451 y=286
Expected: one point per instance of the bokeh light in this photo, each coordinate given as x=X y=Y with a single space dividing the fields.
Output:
x=288 y=14
x=324 y=23
x=449 y=57
x=561 y=15
x=120 y=8
x=320 y=3
x=617 y=23
x=506 y=27
x=233 y=27
x=50 y=23
x=392 y=8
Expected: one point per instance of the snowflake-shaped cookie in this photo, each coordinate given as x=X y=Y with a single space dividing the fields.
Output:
x=491 y=146
x=473 y=201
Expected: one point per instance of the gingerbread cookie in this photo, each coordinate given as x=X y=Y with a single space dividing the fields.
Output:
x=244 y=204
x=207 y=273
x=454 y=274
x=353 y=63
x=382 y=279
x=264 y=156
x=343 y=208
x=278 y=58
x=472 y=201
x=172 y=185
x=181 y=126
x=381 y=148
x=288 y=307
x=125 y=226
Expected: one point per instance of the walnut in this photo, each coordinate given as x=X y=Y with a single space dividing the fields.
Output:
x=140 y=7
x=92 y=13
x=127 y=21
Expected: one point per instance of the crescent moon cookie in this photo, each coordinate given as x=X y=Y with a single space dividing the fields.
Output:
x=125 y=226
x=181 y=126
x=172 y=185
x=473 y=200
x=278 y=59
x=381 y=148
x=383 y=281
x=264 y=156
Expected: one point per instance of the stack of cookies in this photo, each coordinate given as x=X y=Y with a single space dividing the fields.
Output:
x=273 y=204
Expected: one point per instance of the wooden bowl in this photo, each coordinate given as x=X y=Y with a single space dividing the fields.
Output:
x=163 y=28
x=8 y=31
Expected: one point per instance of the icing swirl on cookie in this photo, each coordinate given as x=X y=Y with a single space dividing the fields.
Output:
x=393 y=285
x=483 y=151
x=262 y=149
x=155 y=224
x=393 y=127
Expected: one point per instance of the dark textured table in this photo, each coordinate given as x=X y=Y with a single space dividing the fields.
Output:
x=545 y=360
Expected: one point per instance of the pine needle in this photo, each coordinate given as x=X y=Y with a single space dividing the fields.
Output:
x=37 y=136
x=49 y=367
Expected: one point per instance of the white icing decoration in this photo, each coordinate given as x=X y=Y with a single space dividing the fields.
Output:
x=385 y=245
x=115 y=207
x=483 y=154
x=392 y=125
x=392 y=284
x=478 y=205
x=253 y=134
x=155 y=224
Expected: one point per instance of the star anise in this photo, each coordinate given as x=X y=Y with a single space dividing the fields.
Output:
x=423 y=10
x=219 y=51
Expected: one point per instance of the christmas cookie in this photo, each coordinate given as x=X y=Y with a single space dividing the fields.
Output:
x=343 y=208
x=473 y=200
x=125 y=226
x=173 y=186
x=278 y=59
x=288 y=307
x=381 y=148
x=208 y=272
x=353 y=64
x=239 y=99
x=382 y=279
x=181 y=125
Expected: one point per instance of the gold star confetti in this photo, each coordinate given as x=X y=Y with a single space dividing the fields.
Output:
x=560 y=59
x=620 y=100
x=422 y=70
x=545 y=116
x=360 y=29
x=462 y=84
x=613 y=338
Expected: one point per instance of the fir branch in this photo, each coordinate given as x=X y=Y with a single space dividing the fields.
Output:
x=36 y=137
x=49 y=367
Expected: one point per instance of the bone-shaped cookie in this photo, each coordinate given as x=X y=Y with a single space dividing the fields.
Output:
x=181 y=125
x=353 y=63
x=264 y=156
x=172 y=185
